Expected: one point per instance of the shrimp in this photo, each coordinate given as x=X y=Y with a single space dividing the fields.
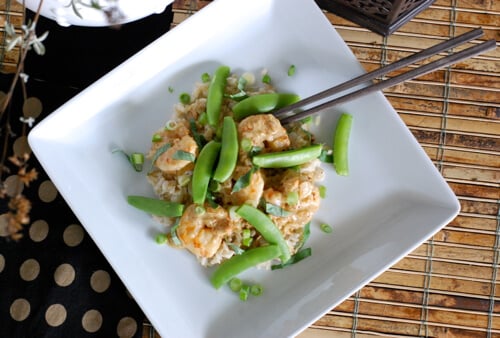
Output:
x=203 y=234
x=300 y=211
x=264 y=131
x=252 y=193
x=168 y=164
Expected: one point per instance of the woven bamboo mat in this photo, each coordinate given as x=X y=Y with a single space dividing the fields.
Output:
x=450 y=285
x=13 y=12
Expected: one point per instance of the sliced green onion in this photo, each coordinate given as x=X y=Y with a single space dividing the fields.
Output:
x=246 y=145
x=246 y=233
x=203 y=119
x=185 y=98
x=161 y=238
x=291 y=70
x=205 y=77
x=256 y=289
x=326 y=228
x=237 y=250
x=292 y=198
x=244 y=180
x=322 y=191
x=300 y=255
x=266 y=79
x=211 y=200
x=275 y=210
x=214 y=186
x=247 y=241
x=156 y=138
x=135 y=159
x=199 y=210
x=244 y=292
x=173 y=233
x=235 y=284
x=184 y=180
x=171 y=125
x=170 y=89
x=184 y=155
x=232 y=213
x=307 y=120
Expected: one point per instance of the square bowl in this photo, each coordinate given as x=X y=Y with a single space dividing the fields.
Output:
x=392 y=201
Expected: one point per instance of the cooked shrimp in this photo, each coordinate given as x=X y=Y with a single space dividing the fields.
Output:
x=264 y=131
x=252 y=193
x=307 y=203
x=166 y=161
x=203 y=234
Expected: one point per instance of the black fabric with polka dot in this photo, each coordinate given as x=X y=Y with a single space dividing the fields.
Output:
x=54 y=281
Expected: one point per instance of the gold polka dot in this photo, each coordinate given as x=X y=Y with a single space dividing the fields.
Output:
x=47 y=192
x=55 y=315
x=29 y=270
x=4 y=225
x=92 y=321
x=21 y=146
x=13 y=185
x=127 y=327
x=20 y=309
x=64 y=274
x=73 y=235
x=38 y=230
x=2 y=262
x=32 y=107
x=100 y=280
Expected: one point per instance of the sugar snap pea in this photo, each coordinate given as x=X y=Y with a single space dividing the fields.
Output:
x=341 y=144
x=215 y=94
x=203 y=170
x=262 y=103
x=288 y=158
x=239 y=263
x=265 y=227
x=229 y=150
x=155 y=206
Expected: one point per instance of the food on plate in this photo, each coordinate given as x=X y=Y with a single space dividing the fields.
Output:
x=235 y=187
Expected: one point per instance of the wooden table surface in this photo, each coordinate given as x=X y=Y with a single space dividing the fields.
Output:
x=450 y=285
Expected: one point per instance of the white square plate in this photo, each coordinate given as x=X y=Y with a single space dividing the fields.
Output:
x=393 y=200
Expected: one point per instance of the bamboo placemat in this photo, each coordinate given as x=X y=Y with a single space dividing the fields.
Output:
x=450 y=285
x=13 y=12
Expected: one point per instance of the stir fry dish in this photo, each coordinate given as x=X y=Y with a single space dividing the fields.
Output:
x=234 y=186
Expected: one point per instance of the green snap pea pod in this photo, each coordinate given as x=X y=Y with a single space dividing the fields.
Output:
x=287 y=158
x=203 y=170
x=215 y=94
x=155 y=206
x=341 y=144
x=263 y=103
x=229 y=150
x=239 y=263
x=265 y=227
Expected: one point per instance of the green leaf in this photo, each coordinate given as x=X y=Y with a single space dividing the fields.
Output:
x=276 y=210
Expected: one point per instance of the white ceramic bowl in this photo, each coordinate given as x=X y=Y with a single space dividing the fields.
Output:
x=79 y=13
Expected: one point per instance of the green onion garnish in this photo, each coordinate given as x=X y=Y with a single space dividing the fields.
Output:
x=135 y=159
x=325 y=228
x=326 y=156
x=266 y=79
x=161 y=238
x=246 y=145
x=247 y=241
x=173 y=233
x=199 y=210
x=292 y=198
x=256 y=289
x=156 y=138
x=291 y=70
x=205 y=77
x=235 y=284
x=185 y=98
x=237 y=250
x=322 y=191
x=203 y=119
x=244 y=291
x=170 y=89
x=170 y=125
